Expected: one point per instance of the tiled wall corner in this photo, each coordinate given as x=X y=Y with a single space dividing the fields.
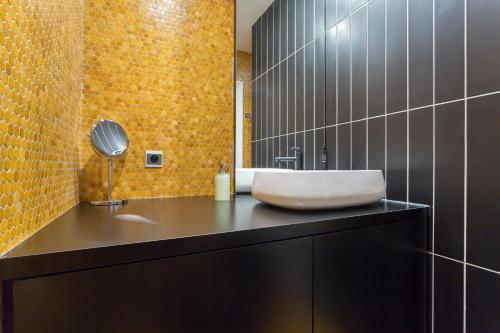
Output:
x=41 y=50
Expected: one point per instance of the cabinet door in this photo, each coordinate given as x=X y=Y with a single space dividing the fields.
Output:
x=261 y=288
x=371 y=280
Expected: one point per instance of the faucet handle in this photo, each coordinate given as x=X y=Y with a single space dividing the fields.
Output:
x=297 y=149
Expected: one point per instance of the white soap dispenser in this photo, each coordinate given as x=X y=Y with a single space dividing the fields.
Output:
x=222 y=184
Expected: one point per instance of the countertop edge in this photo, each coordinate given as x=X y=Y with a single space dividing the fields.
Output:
x=12 y=268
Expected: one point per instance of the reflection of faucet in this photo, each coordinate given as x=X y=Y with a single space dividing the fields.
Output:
x=298 y=158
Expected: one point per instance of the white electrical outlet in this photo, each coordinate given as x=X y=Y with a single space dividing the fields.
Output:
x=154 y=159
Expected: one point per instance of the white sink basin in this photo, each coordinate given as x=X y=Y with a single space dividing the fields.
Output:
x=244 y=178
x=318 y=189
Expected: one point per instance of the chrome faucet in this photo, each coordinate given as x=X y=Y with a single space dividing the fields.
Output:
x=298 y=159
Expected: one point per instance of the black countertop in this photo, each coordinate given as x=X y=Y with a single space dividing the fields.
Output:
x=88 y=237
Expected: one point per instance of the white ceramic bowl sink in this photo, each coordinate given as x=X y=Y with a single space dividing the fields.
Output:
x=318 y=189
x=244 y=178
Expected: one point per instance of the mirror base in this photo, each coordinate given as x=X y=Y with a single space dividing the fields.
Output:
x=108 y=202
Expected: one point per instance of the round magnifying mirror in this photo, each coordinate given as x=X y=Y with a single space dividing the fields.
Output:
x=109 y=140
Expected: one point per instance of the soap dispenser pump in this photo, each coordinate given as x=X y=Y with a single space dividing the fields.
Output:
x=222 y=184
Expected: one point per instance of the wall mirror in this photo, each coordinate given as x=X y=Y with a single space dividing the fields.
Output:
x=280 y=88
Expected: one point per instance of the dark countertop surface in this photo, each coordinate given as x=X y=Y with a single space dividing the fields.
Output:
x=88 y=237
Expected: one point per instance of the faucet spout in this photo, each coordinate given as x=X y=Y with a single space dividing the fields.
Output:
x=297 y=159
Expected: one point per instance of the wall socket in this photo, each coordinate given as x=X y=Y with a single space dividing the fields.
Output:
x=154 y=159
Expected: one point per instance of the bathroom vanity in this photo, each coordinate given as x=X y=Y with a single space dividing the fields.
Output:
x=188 y=265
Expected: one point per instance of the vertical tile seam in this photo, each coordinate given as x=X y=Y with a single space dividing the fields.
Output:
x=385 y=91
x=350 y=85
x=336 y=87
x=465 y=172
x=367 y=31
x=408 y=100
x=433 y=161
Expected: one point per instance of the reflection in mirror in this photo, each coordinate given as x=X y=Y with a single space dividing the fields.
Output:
x=249 y=147
x=109 y=140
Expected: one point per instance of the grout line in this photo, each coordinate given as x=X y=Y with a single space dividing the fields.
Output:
x=408 y=100
x=350 y=88
x=433 y=160
x=367 y=32
x=465 y=170
x=464 y=263
x=336 y=87
x=385 y=93
x=314 y=85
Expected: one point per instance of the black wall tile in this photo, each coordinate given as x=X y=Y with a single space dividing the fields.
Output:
x=254 y=154
x=376 y=58
x=291 y=94
x=309 y=86
x=309 y=151
x=331 y=77
x=344 y=71
x=276 y=32
x=270 y=153
x=258 y=44
x=420 y=52
x=309 y=21
x=421 y=156
x=396 y=55
x=330 y=13
x=269 y=110
x=396 y=156
x=276 y=101
x=343 y=9
x=299 y=23
x=318 y=144
x=483 y=182
x=291 y=26
x=258 y=152
x=264 y=35
x=254 y=110
x=448 y=295
x=299 y=140
x=449 y=184
x=331 y=144
x=282 y=151
x=483 y=301
x=319 y=17
x=344 y=147
x=283 y=29
x=319 y=79
x=299 y=81
x=290 y=145
x=254 y=51
x=376 y=144
x=358 y=40
x=449 y=43
x=270 y=37
x=263 y=115
x=359 y=145
x=283 y=97
x=276 y=150
x=258 y=120
x=483 y=46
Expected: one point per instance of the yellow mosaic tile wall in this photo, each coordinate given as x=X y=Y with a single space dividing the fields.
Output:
x=41 y=51
x=244 y=73
x=164 y=70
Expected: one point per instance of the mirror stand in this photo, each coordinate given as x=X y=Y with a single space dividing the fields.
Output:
x=110 y=201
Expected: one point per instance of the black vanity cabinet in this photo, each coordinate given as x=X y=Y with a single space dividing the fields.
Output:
x=263 y=270
x=371 y=280
x=261 y=288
